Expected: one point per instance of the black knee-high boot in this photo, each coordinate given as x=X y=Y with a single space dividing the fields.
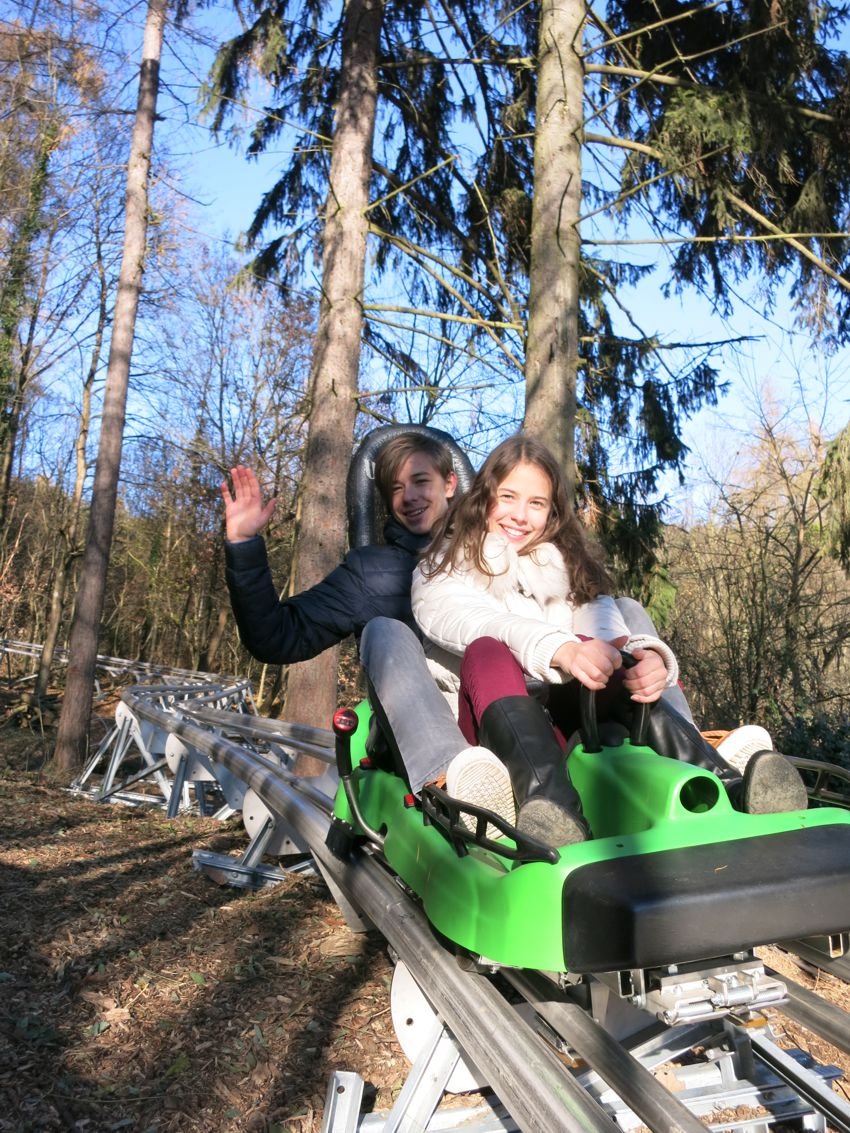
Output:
x=518 y=730
x=770 y=784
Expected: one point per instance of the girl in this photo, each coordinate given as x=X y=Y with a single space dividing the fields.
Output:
x=512 y=585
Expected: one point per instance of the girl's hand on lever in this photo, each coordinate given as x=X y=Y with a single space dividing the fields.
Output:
x=590 y=662
x=646 y=680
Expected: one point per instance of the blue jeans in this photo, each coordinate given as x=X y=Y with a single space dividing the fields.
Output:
x=414 y=714
x=639 y=621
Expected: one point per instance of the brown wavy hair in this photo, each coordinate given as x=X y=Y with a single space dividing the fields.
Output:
x=460 y=534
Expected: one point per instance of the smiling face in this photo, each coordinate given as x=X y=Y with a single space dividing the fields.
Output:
x=420 y=493
x=520 y=510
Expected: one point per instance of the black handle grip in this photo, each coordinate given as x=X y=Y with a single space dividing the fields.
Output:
x=589 y=727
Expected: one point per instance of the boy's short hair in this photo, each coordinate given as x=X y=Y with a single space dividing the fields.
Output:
x=396 y=451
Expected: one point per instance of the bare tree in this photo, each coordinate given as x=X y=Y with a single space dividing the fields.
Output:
x=762 y=613
x=72 y=736
x=240 y=356
x=68 y=532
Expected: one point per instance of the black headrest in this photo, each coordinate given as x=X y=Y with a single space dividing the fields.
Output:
x=365 y=509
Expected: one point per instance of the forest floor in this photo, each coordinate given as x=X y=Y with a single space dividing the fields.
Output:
x=137 y=995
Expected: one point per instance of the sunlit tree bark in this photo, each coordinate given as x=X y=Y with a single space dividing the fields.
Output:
x=551 y=359
x=311 y=687
x=72 y=736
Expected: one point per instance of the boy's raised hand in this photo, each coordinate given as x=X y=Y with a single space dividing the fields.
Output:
x=245 y=514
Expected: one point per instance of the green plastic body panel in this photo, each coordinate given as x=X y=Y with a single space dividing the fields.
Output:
x=637 y=803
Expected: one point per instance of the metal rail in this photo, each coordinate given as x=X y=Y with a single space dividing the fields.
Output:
x=540 y=1091
x=649 y=1099
x=115 y=666
x=820 y=1017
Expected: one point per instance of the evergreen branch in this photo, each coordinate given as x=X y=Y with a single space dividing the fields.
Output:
x=394 y=325
x=607 y=286
x=621 y=198
x=624 y=143
x=474 y=318
x=271 y=116
x=460 y=61
x=792 y=241
x=731 y=238
x=430 y=390
x=494 y=267
x=420 y=254
x=453 y=64
x=633 y=33
x=429 y=134
x=465 y=320
x=684 y=84
x=430 y=209
x=407 y=184
x=442 y=339
x=710 y=345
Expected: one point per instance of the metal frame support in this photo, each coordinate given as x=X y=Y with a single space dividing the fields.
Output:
x=343 y=1102
x=126 y=731
x=248 y=870
x=425 y=1085
x=415 y=1109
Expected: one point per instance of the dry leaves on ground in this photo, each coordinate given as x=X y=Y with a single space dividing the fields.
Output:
x=135 y=994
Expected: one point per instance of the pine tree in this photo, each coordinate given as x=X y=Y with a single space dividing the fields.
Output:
x=718 y=132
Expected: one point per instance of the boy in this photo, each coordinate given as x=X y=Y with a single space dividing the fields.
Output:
x=415 y=478
x=416 y=481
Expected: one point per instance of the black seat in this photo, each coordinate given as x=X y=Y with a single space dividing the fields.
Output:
x=696 y=902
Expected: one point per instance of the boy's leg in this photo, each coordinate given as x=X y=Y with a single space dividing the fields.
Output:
x=414 y=714
x=420 y=726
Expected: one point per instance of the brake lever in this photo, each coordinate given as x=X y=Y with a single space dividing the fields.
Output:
x=589 y=725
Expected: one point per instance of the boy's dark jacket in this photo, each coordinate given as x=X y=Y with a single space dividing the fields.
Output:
x=371 y=582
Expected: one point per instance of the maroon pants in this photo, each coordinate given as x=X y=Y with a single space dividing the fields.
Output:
x=489 y=671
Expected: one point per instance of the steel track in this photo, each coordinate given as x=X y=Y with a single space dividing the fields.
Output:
x=542 y=1093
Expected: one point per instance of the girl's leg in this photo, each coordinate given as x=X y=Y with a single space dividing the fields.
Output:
x=771 y=784
x=495 y=702
x=487 y=673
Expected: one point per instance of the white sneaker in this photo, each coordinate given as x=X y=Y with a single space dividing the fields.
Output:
x=476 y=776
x=741 y=744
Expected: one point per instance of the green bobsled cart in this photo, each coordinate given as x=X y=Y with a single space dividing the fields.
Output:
x=673 y=875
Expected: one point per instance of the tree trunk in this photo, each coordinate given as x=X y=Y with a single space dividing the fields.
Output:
x=69 y=535
x=551 y=358
x=72 y=738
x=312 y=686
